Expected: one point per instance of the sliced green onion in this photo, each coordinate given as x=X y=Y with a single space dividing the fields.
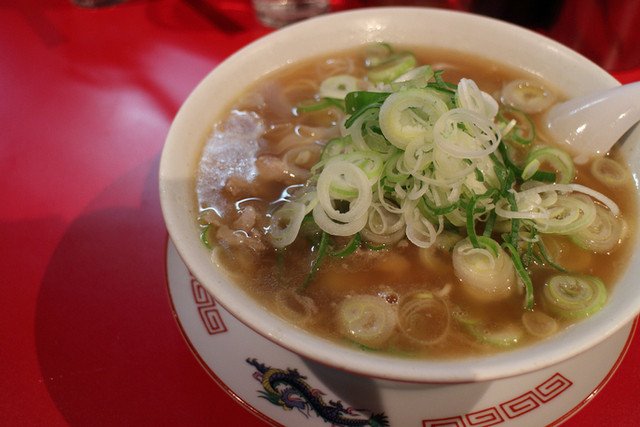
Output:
x=315 y=265
x=321 y=105
x=609 y=171
x=295 y=307
x=336 y=227
x=418 y=77
x=523 y=131
x=349 y=248
x=505 y=336
x=424 y=318
x=375 y=248
x=465 y=134
x=371 y=162
x=310 y=230
x=470 y=97
x=204 y=236
x=603 y=234
x=569 y=214
x=285 y=223
x=547 y=258
x=542 y=176
x=446 y=88
x=539 y=324
x=578 y=188
x=488 y=270
x=410 y=114
x=361 y=127
x=439 y=210
x=420 y=231
x=392 y=171
x=559 y=159
x=515 y=222
x=367 y=319
x=340 y=177
x=357 y=102
x=419 y=159
x=574 y=296
x=471 y=212
x=383 y=227
x=489 y=224
x=335 y=147
x=527 y=96
x=337 y=87
x=391 y=68
x=522 y=272
x=377 y=52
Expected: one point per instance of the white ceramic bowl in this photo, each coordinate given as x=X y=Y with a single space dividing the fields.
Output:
x=492 y=39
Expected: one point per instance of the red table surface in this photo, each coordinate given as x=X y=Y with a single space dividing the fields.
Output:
x=87 y=332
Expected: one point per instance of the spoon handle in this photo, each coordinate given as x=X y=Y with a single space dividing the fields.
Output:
x=590 y=125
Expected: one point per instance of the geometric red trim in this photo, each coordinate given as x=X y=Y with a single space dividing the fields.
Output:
x=525 y=403
x=485 y=418
x=521 y=405
x=207 y=308
x=444 y=422
x=552 y=387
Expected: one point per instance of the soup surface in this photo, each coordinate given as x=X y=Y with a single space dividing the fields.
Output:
x=379 y=202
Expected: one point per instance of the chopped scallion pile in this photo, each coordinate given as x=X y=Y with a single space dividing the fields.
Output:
x=419 y=156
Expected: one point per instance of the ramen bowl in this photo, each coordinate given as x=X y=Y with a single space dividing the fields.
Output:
x=494 y=40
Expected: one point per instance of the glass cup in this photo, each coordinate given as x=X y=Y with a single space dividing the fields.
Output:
x=278 y=13
x=96 y=3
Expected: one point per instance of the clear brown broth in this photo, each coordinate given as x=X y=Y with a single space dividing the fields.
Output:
x=397 y=271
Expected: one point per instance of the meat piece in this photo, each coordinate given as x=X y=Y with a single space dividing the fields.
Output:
x=239 y=187
x=272 y=168
x=228 y=237
x=247 y=219
x=229 y=155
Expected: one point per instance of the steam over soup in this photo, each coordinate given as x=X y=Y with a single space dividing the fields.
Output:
x=409 y=208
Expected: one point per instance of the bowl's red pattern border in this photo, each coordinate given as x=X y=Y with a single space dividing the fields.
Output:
x=520 y=405
x=526 y=402
x=207 y=308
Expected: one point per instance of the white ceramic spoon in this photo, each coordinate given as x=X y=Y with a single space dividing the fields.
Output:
x=590 y=125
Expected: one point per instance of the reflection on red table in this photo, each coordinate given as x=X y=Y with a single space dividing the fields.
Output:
x=86 y=99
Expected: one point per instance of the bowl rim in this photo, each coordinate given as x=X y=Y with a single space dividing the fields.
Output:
x=371 y=22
